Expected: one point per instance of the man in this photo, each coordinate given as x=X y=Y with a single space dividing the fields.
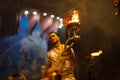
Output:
x=61 y=56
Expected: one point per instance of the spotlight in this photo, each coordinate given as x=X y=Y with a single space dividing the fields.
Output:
x=34 y=13
x=44 y=14
x=52 y=16
x=26 y=12
x=57 y=18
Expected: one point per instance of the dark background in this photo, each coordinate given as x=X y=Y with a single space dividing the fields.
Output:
x=99 y=30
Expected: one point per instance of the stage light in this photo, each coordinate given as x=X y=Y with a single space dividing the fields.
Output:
x=34 y=13
x=44 y=14
x=26 y=12
x=52 y=16
x=57 y=18
x=61 y=19
x=60 y=26
x=60 y=23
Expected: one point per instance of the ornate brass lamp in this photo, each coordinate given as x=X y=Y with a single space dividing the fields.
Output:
x=72 y=24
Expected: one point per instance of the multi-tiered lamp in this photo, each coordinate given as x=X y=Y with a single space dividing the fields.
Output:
x=72 y=24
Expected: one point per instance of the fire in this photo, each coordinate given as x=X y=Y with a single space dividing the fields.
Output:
x=74 y=17
x=96 y=53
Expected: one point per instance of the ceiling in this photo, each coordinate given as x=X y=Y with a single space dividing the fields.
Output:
x=56 y=7
x=61 y=7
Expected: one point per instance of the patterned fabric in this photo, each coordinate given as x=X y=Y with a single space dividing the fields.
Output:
x=67 y=68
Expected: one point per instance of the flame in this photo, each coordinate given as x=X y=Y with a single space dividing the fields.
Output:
x=66 y=21
x=96 y=53
x=75 y=17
